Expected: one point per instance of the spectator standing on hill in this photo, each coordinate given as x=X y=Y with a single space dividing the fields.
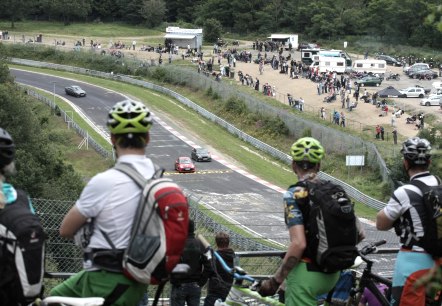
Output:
x=304 y=281
x=342 y=119
x=378 y=131
x=405 y=213
x=347 y=101
x=342 y=94
x=301 y=104
x=393 y=120
x=322 y=113
x=394 y=136
x=13 y=202
x=220 y=281
x=133 y=45
x=187 y=289
x=382 y=132
x=110 y=198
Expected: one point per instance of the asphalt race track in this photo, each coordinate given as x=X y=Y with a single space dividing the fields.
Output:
x=243 y=199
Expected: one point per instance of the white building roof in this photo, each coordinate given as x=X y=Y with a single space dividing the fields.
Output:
x=279 y=36
x=183 y=31
x=179 y=36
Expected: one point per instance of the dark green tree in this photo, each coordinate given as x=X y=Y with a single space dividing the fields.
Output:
x=212 y=30
x=153 y=12
x=67 y=10
x=41 y=169
x=15 y=10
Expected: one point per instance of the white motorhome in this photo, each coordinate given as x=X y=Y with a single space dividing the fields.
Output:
x=370 y=65
x=329 y=64
x=308 y=54
x=286 y=39
x=337 y=53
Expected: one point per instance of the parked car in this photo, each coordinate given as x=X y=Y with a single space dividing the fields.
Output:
x=416 y=67
x=412 y=92
x=184 y=164
x=427 y=90
x=369 y=80
x=423 y=74
x=433 y=100
x=200 y=154
x=390 y=60
x=75 y=91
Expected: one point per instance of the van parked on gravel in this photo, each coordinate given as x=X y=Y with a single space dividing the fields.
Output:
x=374 y=66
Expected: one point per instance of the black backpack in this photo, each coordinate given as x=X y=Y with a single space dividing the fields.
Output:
x=330 y=224
x=21 y=253
x=431 y=218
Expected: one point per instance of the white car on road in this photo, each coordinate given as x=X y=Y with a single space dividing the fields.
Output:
x=432 y=100
x=412 y=92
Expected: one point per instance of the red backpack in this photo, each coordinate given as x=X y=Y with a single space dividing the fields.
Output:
x=160 y=228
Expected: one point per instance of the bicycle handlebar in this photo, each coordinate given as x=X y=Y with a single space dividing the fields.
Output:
x=237 y=272
x=371 y=248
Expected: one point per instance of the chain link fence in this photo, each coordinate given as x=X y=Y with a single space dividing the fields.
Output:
x=259 y=256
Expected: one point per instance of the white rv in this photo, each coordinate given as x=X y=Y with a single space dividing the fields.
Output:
x=329 y=64
x=337 y=53
x=370 y=65
x=307 y=55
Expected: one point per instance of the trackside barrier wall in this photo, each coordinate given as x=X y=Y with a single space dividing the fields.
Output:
x=72 y=124
x=327 y=136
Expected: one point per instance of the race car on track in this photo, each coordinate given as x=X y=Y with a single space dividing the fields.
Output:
x=75 y=91
x=184 y=164
x=201 y=154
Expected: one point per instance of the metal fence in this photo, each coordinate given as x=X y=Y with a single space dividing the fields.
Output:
x=72 y=124
x=257 y=255
x=346 y=144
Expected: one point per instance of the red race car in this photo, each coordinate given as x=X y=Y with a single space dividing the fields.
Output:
x=184 y=164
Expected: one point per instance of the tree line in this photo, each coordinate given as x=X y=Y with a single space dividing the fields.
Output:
x=414 y=22
x=41 y=169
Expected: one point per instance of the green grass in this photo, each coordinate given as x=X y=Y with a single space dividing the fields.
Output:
x=81 y=30
x=77 y=119
x=254 y=161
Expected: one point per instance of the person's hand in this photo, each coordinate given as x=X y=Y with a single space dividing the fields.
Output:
x=268 y=287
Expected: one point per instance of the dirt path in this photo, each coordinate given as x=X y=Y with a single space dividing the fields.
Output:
x=364 y=116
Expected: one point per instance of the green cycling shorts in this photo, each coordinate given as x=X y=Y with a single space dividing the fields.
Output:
x=102 y=284
x=303 y=286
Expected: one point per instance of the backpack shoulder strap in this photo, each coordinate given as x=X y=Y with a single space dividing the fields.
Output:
x=130 y=171
x=421 y=185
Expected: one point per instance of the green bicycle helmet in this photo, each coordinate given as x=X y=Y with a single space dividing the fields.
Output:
x=129 y=116
x=417 y=150
x=307 y=149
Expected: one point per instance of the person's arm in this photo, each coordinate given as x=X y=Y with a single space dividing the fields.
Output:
x=294 y=253
x=361 y=231
x=291 y=259
x=71 y=223
x=383 y=223
x=206 y=265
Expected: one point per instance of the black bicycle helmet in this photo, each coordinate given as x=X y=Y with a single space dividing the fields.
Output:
x=417 y=150
x=7 y=148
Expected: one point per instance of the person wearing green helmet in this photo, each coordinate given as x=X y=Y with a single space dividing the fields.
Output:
x=110 y=199
x=304 y=282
